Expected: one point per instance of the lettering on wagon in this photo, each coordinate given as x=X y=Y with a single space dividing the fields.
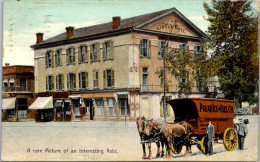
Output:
x=216 y=108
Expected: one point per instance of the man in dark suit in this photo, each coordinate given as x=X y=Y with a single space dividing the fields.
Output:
x=242 y=132
x=209 y=138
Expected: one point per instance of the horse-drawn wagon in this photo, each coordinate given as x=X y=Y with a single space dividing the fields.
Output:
x=196 y=112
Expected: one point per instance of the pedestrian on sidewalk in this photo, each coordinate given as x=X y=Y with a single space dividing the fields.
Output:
x=209 y=138
x=242 y=132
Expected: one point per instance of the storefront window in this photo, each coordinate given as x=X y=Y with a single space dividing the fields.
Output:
x=111 y=107
x=100 y=107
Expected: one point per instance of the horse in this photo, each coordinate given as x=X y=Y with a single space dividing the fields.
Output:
x=170 y=132
x=141 y=122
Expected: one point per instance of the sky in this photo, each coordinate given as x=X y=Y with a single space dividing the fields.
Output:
x=22 y=19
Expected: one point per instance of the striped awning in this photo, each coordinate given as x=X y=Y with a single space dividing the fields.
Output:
x=8 y=103
x=42 y=103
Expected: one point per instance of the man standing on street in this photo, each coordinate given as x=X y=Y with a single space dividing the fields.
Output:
x=242 y=132
x=209 y=138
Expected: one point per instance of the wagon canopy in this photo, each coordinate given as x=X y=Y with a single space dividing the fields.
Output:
x=193 y=108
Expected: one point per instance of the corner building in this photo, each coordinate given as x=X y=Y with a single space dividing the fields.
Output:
x=108 y=71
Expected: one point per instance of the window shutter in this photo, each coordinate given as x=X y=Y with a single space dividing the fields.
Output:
x=86 y=53
x=74 y=54
x=140 y=48
x=46 y=59
x=67 y=56
x=79 y=81
x=94 y=78
x=91 y=53
x=159 y=49
x=187 y=49
x=60 y=56
x=56 y=82
x=180 y=47
x=46 y=83
x=104 y=51
x=52 y=82
x=166 y=48
x=52 y=58
x=79 y=55
x=111 y=50
x=86 y=80
x=112 y=79
x=55 y=58
x=98 y=51
x=74 y=81
x=149 y=48
x=68 y=85
x=62 y=82
x=104 y=78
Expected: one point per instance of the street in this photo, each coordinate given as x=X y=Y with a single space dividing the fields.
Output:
x=86 y=141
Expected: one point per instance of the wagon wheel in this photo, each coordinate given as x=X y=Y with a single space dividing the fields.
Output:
x=175 y=149
x=201 y=146
x=230 y=139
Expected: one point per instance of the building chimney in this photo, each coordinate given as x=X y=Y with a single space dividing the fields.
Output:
x=39 y=38
x=7 y=64
x=116 y=22
x=69 y=31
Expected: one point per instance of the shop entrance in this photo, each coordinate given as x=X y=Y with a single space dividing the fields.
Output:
x=89 y=108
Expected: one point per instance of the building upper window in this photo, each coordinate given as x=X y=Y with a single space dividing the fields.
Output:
x=12 y=88
x=71 y=84
x=145 y=79
x=23 y=84
x=5 y=84
x=145 y=46
x=82 y=54
x=109 y=79
x=95 y=79
x=58 y=58
x=161 y=48
x=198 y=49
x=183 y=48
x=49 y=59
x=83 y=80
x=107 y=50
x=71 y=56
x=59 y=82
x=94 y=52
x=49 y=83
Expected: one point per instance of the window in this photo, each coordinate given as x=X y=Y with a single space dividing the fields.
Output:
x=144 y=48
x=71 y=84
x=59 y=82
x=95 y=79
x=109 y=80
x=12 y=87
x=183 y=48
x=5 y=87
x=58 y=58
x=22 y=108
x=107 y=50
x=83 y=80
x=185 y=77
x=162 y=49
x=49 y=83
x=100 y=107
x=70 y=56
x=145 y=79
x=111 y=107
x=124 y=107
x=49 y=59
x=198 y=49
x=82 y=53
x=94 y=52
x=23 y=84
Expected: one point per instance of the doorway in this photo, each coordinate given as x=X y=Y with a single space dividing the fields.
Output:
x=89 y=108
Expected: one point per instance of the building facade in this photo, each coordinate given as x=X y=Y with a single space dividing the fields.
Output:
x=109 y=71
x=18 y=92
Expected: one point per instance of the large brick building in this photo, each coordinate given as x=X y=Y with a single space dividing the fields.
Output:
x=108 y=71
x=17 y=92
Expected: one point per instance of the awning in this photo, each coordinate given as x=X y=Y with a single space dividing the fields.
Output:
x=5 y=80
x=8 y=103
x=74 y=96
x=42 y=103
x=98 y=95
x=11 y=80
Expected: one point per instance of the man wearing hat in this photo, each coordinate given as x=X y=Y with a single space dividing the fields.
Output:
x=242 y=132
x=209 y=138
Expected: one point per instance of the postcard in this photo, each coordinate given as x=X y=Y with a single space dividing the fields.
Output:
x=130 y=80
